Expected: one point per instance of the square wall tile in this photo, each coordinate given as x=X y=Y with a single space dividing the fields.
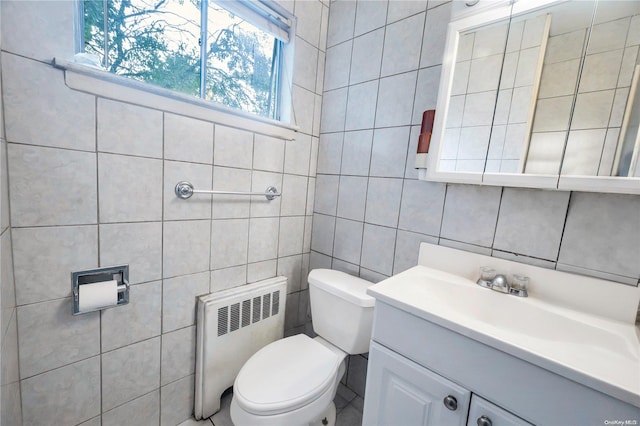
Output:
x=592 y=110
x=322 y=234
x=138 y=320
x=138 y=245
x=44 y=171
x=232 y=147
x=39 y=108
x=401 y=52
x=291 y=236
x=50 y=336
x=395 y=100
x=326 y=198
x=297 y=157
x=389 y=152
x=399 y=9
x=383 y=201
x=188 y=139
x=261 y=270
x=129 y=129
x=67 y=395
x=352 y=197
x=309 y=15
x=291 y=267
x=140 y=202
x=366 y=59
x=370 y=15
x=9 y=361
x=261 y=206
x=43 y=258
x=294 y=195
x=426 y=92
x=304 y=104
x=361 y=106
x=176 y=401
x=348 y=240
x=356 y=154
x=140 y=411
x=471 y=213
x=305 y=64
x=602 y=234
x=378 y=246
x=334 y=107
x=338 y=61
x=342 y=22
x=178 y=354
x=229 y=242
x=130 y=372
x=531 y=222
x=229 y=206
x=196 y=207
x=263 y=239
x=223 y=279
x=51 y=35
x=186 y=247
x=422 y=205
x=11 y=404
x=407 y=249
x=7 y=282
x=329 y=153
x=179 y=300
x=268 y=154
x=434 y=35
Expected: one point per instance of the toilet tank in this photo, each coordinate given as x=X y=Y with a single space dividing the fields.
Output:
x=341 y=310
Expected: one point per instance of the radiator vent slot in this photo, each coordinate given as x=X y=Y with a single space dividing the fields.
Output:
x=246 y=312
x=223 y=320
x=235 y=317
x=266 y=306
x=275 y=307
x=256 y=309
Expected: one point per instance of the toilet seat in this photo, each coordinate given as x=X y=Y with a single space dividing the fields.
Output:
x=286 y=375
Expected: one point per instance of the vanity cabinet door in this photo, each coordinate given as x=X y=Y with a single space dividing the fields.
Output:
x=401 y=392
x=484 y=413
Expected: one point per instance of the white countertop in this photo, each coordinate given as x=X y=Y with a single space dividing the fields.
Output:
x=598 y=352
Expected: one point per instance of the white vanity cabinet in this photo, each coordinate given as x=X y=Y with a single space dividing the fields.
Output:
x=401 y=392
x=415 y=364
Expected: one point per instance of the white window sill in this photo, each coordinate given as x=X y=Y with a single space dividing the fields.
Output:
x=104 y=84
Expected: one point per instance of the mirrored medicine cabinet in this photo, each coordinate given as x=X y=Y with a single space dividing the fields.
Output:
x=541 y=94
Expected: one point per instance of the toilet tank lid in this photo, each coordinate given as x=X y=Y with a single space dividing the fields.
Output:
x=343 y=285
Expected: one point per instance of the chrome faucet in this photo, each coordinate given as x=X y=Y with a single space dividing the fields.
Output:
x=499 y=282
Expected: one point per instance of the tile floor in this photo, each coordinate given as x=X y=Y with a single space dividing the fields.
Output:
x=348 y=406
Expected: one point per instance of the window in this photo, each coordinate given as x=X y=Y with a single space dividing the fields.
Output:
x=226 y=51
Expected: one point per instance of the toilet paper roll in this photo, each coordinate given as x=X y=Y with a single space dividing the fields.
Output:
x=97 y=295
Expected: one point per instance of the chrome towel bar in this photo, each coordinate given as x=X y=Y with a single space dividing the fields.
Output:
x=185 y=190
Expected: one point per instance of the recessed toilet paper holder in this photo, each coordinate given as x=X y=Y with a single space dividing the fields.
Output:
x=93 y=276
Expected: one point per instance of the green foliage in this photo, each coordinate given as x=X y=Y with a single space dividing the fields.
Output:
x=158 y=42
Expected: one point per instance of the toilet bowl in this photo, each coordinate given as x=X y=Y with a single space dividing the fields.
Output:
x=293 y=381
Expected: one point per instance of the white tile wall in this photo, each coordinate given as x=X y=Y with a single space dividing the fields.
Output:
x=92 y=184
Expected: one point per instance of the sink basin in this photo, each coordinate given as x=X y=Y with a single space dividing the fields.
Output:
x=599 y=352
x=530 y=318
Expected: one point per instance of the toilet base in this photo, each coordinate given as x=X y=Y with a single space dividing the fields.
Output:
x=328 y=418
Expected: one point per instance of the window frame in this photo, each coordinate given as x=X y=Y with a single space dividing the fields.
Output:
x=281 y=88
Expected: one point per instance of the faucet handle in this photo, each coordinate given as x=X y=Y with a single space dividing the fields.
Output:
x=519 y=284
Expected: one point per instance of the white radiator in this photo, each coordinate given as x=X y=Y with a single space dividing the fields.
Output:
x=232 y=325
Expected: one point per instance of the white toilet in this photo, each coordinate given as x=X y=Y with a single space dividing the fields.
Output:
x=293 y=381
